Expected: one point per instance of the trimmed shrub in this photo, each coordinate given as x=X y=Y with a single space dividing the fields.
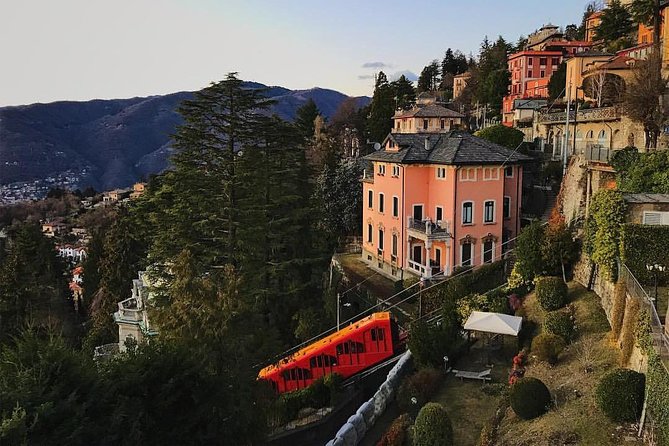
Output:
x=433 y=427
x=551 y=292
x=420 y=385
x=560 y=323
x=620 y=394
x=547 y=347
x=396 y=435
x=530 y=398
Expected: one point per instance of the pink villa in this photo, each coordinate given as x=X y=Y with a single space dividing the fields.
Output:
x=437 y=199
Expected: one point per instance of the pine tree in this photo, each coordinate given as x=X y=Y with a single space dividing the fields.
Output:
x=615 y=26
x=305 y=117
x=430 y=77
x=405 y=94
x=381 y=110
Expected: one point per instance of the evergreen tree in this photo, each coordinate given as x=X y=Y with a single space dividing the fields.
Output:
x=430 y=77
x=381 y=110
x=615 y=26
x=493 y=74
x=340 y=199
x=558 y=82
x=305 y=117
x=405 y=94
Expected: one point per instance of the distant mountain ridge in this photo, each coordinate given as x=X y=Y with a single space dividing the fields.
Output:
x=113 y=143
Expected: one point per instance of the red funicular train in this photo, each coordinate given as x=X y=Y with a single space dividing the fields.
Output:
x=349 y=351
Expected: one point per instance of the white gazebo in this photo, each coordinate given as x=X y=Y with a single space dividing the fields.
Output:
x=496 y=323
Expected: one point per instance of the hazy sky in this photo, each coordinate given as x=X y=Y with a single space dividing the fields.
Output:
x=82 y=49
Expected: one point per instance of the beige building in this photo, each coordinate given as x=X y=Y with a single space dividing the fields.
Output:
x=459 y=84
x=132 y=315
x=428 y=117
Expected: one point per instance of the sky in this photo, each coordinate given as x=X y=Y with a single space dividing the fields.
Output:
x=85 y=49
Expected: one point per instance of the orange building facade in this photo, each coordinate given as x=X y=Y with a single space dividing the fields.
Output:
x=439 y=200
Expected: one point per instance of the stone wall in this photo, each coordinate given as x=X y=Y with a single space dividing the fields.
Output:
x=573 y=190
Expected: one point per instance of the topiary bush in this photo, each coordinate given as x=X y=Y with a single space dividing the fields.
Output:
x=530 y=398
x=547 y=347
x=433 y=427
x=561 y=323
x=551 y=292
x=620 y=395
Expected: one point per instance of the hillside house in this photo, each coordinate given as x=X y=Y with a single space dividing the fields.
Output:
x=54 y=227
x=434 y=201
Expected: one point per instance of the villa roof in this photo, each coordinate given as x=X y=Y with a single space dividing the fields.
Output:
x=428 y=111
x=456 y=147
x=643 y=198
x=617 y=63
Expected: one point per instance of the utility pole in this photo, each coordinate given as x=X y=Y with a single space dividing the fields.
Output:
x=338 y=297
x=566 y=132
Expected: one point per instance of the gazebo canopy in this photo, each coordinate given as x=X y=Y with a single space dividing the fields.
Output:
x=494 y=323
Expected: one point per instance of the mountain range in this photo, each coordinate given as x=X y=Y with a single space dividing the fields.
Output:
x=113 y=143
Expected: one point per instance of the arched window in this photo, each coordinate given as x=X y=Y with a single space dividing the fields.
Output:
x=601 y=138
x=590 y=135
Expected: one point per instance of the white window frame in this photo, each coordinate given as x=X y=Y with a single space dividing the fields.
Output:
x=512 y=172
x=494 y=205
x=435 y=213
x=438 y=171
x=396 y=170
x=370 y=234
x=468 y=170
x=370 y=199
x=382 y=234
x=506 y=197
x=382 y=169
x=494 y=173
x=483 y=262
x=462 y=211
x=471 y=254
x=382 y=203
x=413 y=207
x=396 y=214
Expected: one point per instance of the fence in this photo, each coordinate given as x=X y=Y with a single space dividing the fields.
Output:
x=635 y=290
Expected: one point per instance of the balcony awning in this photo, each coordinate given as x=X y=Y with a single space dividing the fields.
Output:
x=494 y=323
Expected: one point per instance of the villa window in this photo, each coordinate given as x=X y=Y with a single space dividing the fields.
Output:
x=425 y=123
x=370 y=231
x=381 y=203
x=396 y=207
x=441 y=173
x=382 y=169
x=490 y=173
x=467 y=213
x=396 y=171
x=466 y=254
x=529 y=73
x=542 y=61
x=468 y=174
x=508 y=171
x=507 y=207
x=489 y=212
x=394 y=247
x=380 y=240
x=439 y=213
x=370 y=199
x=488 y=251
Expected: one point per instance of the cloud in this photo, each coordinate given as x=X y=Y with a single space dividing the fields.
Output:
x=364 y=77
x=375 y=65
x=408 y=74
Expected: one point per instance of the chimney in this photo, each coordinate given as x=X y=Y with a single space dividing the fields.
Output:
x=427 y=144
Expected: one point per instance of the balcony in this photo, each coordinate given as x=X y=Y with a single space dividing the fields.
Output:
x=587 y=115
x=418 y=268
x=129 y=311
x=427 y=230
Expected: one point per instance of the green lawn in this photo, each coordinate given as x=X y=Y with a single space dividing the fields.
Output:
x=576 y=418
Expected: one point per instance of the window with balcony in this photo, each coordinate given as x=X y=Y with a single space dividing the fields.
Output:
x=370 y=199
x=396 y=207
x=467 y=213
x=507 y=207
x=441 y=172
x=381 y=203
x=439 y=213
x=489 y=211
x=370 y=232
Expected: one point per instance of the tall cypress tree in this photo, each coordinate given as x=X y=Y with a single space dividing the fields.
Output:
x=381 y=110
x=305 y=117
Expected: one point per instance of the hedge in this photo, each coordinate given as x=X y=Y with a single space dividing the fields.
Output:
x=433 y=427
x=551 y=292
x=620 y=395
x=530 y=398
x=658 y=396
x=602 y=235
x=635 y=241
x=396 y=435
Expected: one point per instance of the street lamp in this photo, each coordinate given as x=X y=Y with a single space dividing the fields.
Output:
x=654 y=269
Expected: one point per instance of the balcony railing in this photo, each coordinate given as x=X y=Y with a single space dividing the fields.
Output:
x=429 y=228
x=587 y=115
x=421 y=269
